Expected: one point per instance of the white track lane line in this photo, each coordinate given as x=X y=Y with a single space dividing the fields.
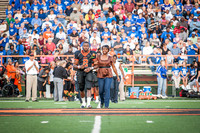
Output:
x=97 y=125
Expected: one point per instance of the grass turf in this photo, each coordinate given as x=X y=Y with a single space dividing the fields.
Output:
x=109 y=124
x=126 y=104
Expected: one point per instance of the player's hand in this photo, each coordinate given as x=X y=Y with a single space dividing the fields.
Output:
x=87 y=69
x=82 y=67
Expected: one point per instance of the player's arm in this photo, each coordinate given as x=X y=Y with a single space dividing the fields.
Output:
x=76 y=62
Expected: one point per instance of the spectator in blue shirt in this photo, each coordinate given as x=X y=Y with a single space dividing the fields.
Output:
x=45 y=7
x=106 y=33
x=165 y=33
x=195 y=9
x=20 y=51
x=9 y=10
x=162 y=79
x=35 y=7
x=61 y=6
x=36 y=20
x=184 y=74
x=140 y=20
x=2 y=52
x=191 y=50
x=111 y=18
x=61 y=17
x=176 y=77
x=42 y=15
x=12 y=30
x=27 y=6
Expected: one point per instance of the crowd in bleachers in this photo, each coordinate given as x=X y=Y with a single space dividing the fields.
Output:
x=128 y=27
x=138 y=27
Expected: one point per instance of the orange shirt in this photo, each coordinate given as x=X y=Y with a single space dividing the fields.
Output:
x=10 y=68
x=47 y=34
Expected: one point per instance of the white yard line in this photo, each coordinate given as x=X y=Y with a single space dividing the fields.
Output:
x=97 y=125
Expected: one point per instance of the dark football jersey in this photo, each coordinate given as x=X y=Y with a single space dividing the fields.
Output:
x=86 y=59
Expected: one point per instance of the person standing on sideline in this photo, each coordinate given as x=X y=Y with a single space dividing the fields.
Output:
x=105 y=76
x=32 y=69
x=50 y=81
x=83 y=64
x=162 y=79
x=43 y=80
x=59 y=74
x=176 y=72
x=115 y=84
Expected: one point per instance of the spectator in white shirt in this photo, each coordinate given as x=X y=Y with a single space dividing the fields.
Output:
x=32 y=69
x=96 y=38
x=147 y=50
x=85 y=7
x=61 y=34
x=51 y=16
x=96 y=6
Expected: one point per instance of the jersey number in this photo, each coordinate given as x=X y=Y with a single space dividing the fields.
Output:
x=85 y=62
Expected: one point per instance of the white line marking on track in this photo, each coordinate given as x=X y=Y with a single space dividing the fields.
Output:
x=97 y=125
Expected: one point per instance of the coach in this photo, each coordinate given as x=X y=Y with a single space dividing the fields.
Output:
x=32 y=69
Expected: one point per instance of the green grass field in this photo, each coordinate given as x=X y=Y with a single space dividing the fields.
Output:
x=109 y=124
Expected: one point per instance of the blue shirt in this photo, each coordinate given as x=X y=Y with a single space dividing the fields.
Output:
x=162 y=71
x=191 y=51
x=2 y=53
x=184 y=71
x=35 y=8
x=28 y=7
x=9 y=12
x=109 y=20
x=194 y=11
x=20 y=49
x=164 y=35
x=106 y=34
x=25 y=59
x=176 y=71
x=179 y=6
x=12 y=31
x=4 y=42
x=141 y=20
x=192 y=71
x=37 y=21
x=45 y=7
x=61 y=6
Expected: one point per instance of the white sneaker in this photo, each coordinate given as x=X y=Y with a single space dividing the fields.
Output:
x=96 y=102
x=89 y=106
x=99 y=106
x=83 y=105
x=164 y=97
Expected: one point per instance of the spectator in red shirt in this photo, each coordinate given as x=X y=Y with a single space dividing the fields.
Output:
x=178 y=28
x=129 y=6
x=50 y=45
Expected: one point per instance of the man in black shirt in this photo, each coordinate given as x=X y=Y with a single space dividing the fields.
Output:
x=83 y=62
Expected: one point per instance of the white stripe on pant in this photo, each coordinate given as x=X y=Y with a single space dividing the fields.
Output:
x=31 y=83
x=58 y=89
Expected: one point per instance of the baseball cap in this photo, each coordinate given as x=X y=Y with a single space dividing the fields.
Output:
x=24 y=28
x=98 y=10
x=74 y=9
x=36 y=14
x=188 y=39
x=16 y=18
x=174 y=42
x=193 y=33
x=71 y=25
x=195 y=17
x=106 y=27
